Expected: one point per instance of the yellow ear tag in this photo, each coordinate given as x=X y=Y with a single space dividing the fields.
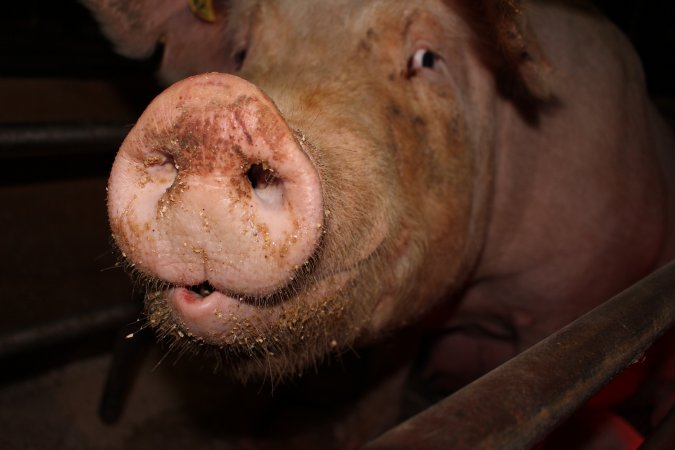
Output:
x=203 y=9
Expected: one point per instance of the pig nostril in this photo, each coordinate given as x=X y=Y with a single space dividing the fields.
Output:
x=261 y=177
x=160 y=168
x=267 y=185
x=158 y=159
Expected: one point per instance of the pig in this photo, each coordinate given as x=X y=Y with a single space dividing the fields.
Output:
x=323 y=174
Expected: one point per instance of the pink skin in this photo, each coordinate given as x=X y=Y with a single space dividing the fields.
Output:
x=194 y=201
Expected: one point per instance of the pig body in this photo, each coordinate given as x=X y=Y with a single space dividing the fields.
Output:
x=490 y=168
x=598 y=191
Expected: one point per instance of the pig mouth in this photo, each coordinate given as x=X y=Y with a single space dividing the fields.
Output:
x=243 y=329
x=302 y=281
x=209 y=319
x=299 y=280
x=204 y=289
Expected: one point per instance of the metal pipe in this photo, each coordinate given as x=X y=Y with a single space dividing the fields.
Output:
x=129 y=353
x=50 y=334
x=517 y=404
x=36 y=140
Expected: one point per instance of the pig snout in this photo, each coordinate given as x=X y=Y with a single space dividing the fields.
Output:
x=212 y=194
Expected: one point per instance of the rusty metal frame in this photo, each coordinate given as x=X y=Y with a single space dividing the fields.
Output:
x=517 y=404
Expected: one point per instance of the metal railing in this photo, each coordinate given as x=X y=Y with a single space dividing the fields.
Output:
x=517 y=404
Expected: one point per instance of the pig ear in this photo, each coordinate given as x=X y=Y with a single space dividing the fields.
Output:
x=508 y=46
x=518 y=45
x=191 y=31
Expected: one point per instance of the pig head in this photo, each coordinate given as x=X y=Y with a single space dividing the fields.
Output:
x=357 y=165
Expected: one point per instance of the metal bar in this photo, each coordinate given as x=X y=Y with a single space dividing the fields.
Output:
x=50 y=334
x=515 y=405
x=36 y=140
x=130 y=351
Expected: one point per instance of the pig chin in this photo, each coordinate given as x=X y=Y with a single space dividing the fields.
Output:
x=214 y=198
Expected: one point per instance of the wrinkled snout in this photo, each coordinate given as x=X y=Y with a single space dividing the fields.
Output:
x=211 y=186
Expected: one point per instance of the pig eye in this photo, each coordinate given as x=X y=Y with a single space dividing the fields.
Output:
x=423 y=59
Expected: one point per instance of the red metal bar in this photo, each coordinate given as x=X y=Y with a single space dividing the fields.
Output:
x=517 y=404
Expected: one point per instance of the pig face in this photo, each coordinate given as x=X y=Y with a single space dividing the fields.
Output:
x=331 y=188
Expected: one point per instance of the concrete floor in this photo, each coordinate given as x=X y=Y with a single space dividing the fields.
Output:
x=182 y=405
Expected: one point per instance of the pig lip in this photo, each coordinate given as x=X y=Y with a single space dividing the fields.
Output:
x=193 y=296
x=303 y=280
x=198 y=292
x=299 y=283
x=300 y=280
x=215 y=318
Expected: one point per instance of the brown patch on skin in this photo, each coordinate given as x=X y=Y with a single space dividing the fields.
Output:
x=310 y=98
x=237 y=116
x=270 y=128
x=394 y=109
x=419 y=121
x=366 y=44
x=198 y=146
